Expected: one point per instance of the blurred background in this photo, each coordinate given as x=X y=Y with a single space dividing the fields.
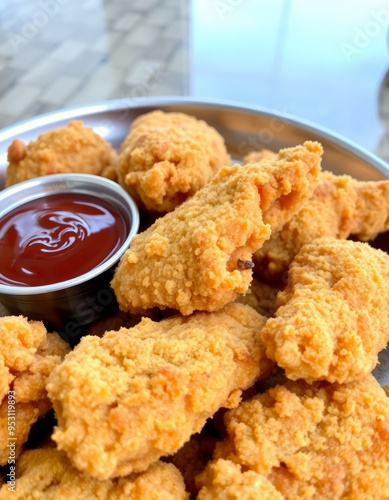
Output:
x=323 y=61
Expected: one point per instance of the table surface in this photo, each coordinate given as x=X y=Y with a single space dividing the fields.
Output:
x=324 y=61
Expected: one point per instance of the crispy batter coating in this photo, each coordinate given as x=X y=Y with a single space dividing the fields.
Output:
x=47 y=474
x=125 y=400
x=340 y=206
x=256 y=156
x=224 y=479
x=261 y=296
x=167 y=157
x=199 y=256
x=118 y=320
x=27 y=356
x=333 y=316
x=74 y=148
x=314 y=441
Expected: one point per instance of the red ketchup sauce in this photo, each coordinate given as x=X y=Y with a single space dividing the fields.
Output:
x=57 y=238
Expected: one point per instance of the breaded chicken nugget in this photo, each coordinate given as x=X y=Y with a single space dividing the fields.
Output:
x=224 y=479
x=167 y=157
x=333 y=316
x=73 y=148
x=340 y=206
x=312 y=441
x=125 y=400
x=27 y=356
x=199 y=256
x=46 y=473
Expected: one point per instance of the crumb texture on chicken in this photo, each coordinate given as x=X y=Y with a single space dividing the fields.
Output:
x=198 y=257
x=224 y=479
x=256 y=156
x=167 y=157
x=340 y=206
x=27 y=356
x=125 y=400
x=47 y=474
x=332 y=318
x=313 y=441
x=70 y=149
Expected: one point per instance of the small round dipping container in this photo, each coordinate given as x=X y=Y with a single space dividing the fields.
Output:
x=61 y=237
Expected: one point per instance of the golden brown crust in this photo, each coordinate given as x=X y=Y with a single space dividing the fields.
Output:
x=47 y=474
x=124 y=400
x=224 y=479
x=340 y=206
x=27 y=356
x=189 y=259
x=73 y=148
x=316 y=441
x=333 y=316
x=167 y=157
x=256 y=156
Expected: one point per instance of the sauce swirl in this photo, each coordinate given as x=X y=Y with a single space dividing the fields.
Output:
x=57 y=238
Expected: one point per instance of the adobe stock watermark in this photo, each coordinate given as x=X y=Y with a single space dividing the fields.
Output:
x=265 y=135
x=11 y=445
x=152 y=77
x=377 y=23
x=87 y=311
x=32 y=24
x=225 y=7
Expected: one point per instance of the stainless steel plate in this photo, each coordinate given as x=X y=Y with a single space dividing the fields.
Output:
x=244 y=129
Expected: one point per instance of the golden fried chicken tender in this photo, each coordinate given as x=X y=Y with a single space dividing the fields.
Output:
x=73 y=148
x=313 y=441
x=332 y=318
x=27 y=356
x=125 y=400
x=340 y=206
x=167 y=157
x=261 y=296
x=47 y=474
x=224 y=479
x=199 y=256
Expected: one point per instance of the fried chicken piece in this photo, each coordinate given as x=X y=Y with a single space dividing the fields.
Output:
x=27 y=356
x=199 y=256
x=46 y=473
x=314 y=441
x=257 y=156
x=224 y=479
x=167 y=157
x=261 y=296
x=73 y=148
x=340 y=206
x=333 y=317
x=125 y=400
